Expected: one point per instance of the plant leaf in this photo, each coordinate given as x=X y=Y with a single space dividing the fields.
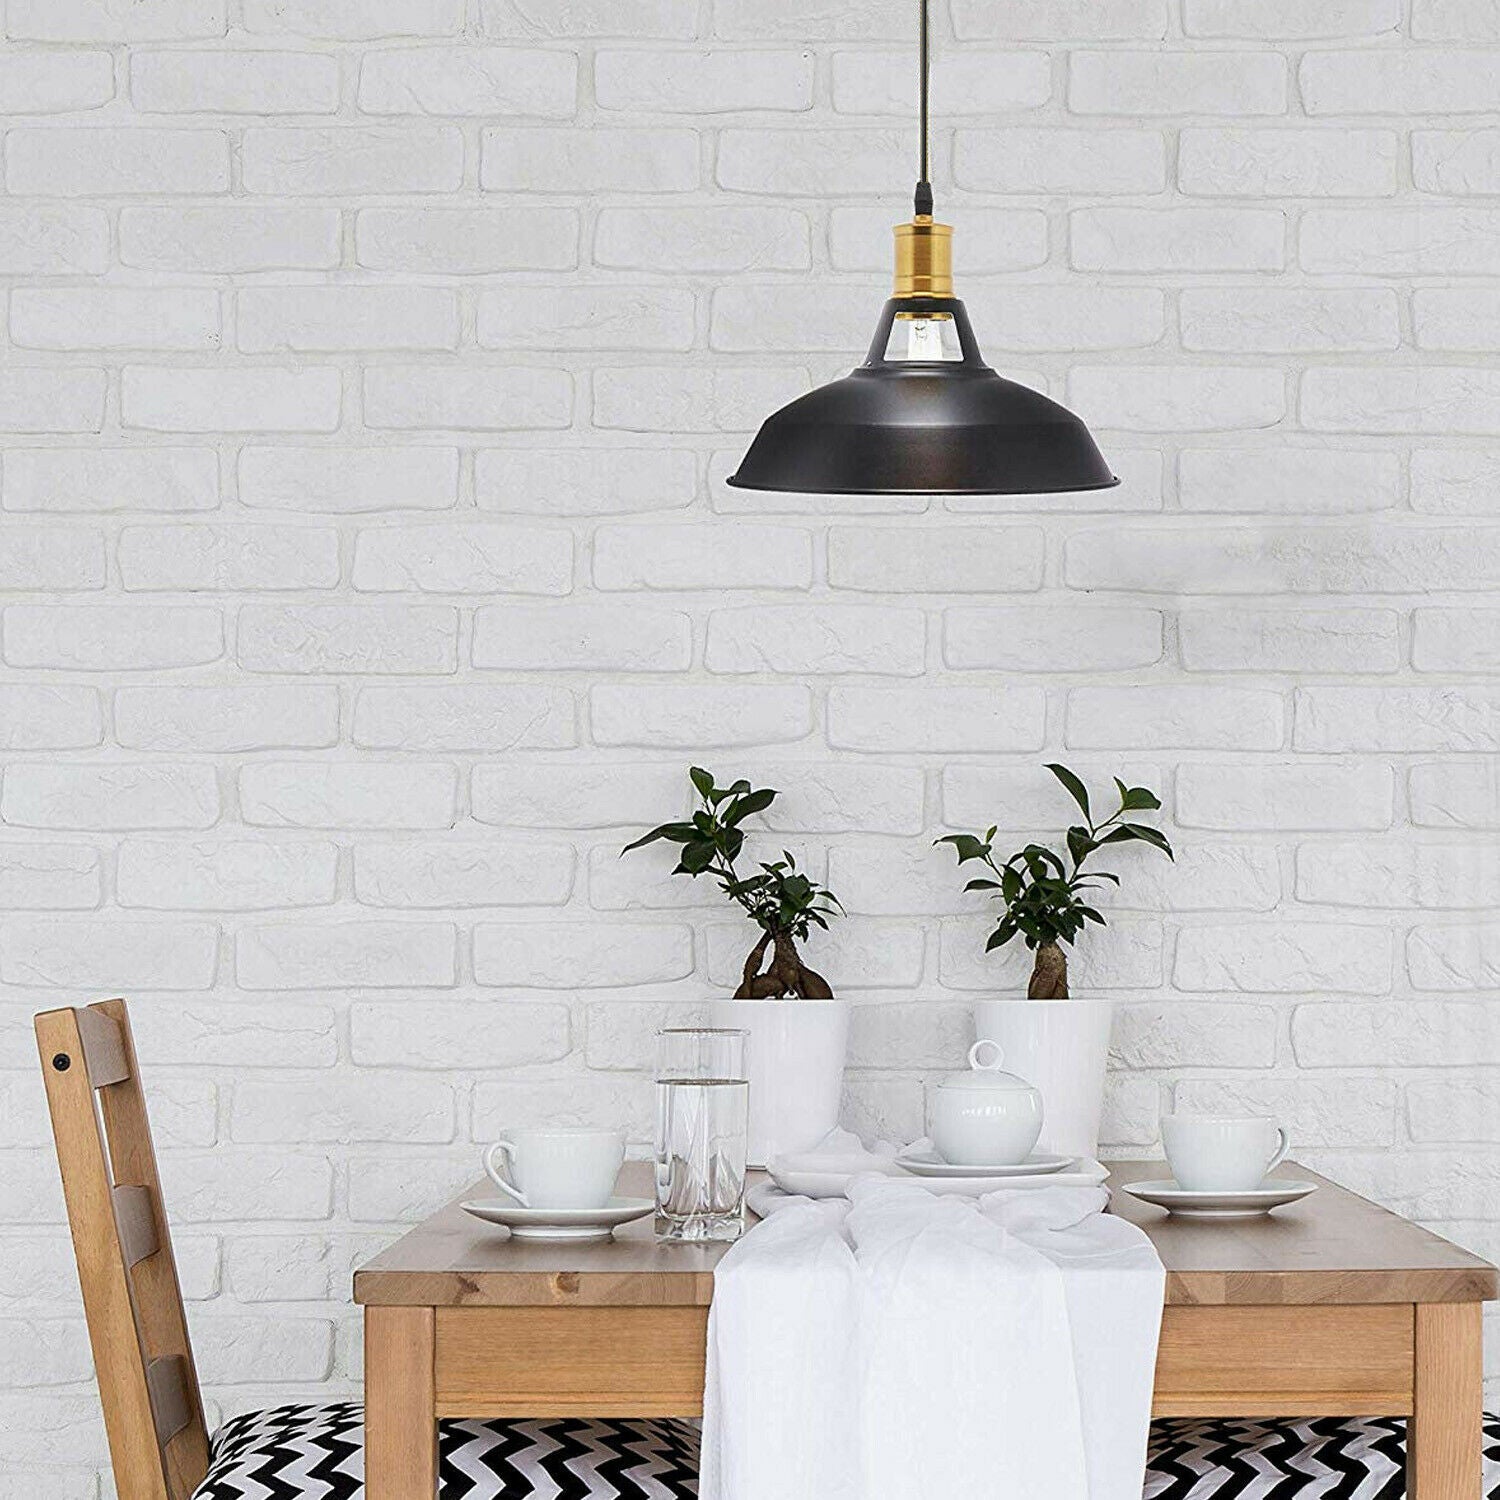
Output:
x=751 y=802
x=1074 y=787
x=1080 y=845
x=703 y=780
x=966 y=846
x=1152 y=836
x=678 y=833
x=696 y=858
x=1000 y=937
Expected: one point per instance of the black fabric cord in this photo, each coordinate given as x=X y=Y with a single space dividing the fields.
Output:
x=922 y=200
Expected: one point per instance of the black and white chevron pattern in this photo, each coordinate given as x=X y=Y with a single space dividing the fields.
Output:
x=1306 y=1458
x=317 y=1453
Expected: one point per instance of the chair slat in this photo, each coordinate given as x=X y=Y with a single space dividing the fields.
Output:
x=155 y=1290
x=171 y=1406
x=104 y=1053
x=135 y=1214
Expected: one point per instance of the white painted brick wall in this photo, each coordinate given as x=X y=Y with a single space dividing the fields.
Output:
x=371 y=373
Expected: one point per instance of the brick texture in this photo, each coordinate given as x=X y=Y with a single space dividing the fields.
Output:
x=367 y=577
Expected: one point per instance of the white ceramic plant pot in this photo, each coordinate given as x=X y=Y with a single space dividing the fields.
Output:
x=1062 y=1047
x=794 y=1057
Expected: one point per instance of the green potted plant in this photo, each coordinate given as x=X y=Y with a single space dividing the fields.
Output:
x=1046 y=899
x=797 y=1029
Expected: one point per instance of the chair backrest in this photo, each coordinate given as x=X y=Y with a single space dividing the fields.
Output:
x=153 y=1412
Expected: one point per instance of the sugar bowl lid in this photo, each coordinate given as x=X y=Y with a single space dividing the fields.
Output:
x=984 y=1073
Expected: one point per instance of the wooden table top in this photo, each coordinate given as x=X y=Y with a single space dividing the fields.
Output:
x=1333 y=1247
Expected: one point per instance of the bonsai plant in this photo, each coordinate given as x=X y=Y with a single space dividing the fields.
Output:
x=780 y=899
x=1045 y=898
x=796 y=1031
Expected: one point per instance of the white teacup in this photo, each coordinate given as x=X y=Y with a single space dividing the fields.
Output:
x=1222 y=1153
x=557 y=1166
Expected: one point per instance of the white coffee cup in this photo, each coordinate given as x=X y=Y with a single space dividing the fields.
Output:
x=1222 y=1153
x=557 y=1166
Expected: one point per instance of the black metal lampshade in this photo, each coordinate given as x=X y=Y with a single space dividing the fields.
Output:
x=923 y=427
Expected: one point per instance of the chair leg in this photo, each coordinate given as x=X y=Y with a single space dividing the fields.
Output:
x=1444 y=1435
x=401 y=1449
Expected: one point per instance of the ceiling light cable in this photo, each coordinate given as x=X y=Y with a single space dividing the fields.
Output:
x=922 y=199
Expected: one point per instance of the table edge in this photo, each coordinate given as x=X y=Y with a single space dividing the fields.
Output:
x=646 y=1289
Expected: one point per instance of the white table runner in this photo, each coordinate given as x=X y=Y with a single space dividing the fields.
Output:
x=900 y=1345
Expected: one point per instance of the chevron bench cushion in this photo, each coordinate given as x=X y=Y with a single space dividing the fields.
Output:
x=1296 y=1458
x=317 y=1453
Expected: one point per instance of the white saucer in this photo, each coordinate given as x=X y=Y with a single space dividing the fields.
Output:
x=560 y=1223
x=811 y=1176
x=1186 y=1204
x=804 y=1183
x=927 y=1163
x=811 y=1183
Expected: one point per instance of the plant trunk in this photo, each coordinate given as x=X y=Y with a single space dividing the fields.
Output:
x=1049 y=978
x=787 y=973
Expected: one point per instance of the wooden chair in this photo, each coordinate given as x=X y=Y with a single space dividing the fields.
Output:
x=153 y=1412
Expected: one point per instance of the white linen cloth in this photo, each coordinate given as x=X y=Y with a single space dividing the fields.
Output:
x=899 y=1345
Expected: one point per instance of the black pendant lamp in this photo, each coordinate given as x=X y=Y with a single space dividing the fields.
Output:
x=924 y=414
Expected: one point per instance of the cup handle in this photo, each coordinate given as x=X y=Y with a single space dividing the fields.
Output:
x=994 y=1062
x=1283 y=1145
x=506 y=1151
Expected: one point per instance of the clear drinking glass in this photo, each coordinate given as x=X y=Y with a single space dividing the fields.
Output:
x=702 y=1106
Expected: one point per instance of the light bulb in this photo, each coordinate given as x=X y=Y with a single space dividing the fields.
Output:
x=923 y=340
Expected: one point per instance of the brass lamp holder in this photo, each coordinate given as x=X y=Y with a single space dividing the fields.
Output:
x=924 y=258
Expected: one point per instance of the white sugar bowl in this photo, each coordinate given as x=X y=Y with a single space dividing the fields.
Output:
x=983 y=1117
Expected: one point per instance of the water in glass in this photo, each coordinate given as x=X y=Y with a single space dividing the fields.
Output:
x=702 y=1104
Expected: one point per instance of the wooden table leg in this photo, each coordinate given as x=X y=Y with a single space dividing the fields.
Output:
x=1442 y=1446
x=401 y=1451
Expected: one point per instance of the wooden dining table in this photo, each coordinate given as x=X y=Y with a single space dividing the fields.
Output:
x=1331 y=1306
